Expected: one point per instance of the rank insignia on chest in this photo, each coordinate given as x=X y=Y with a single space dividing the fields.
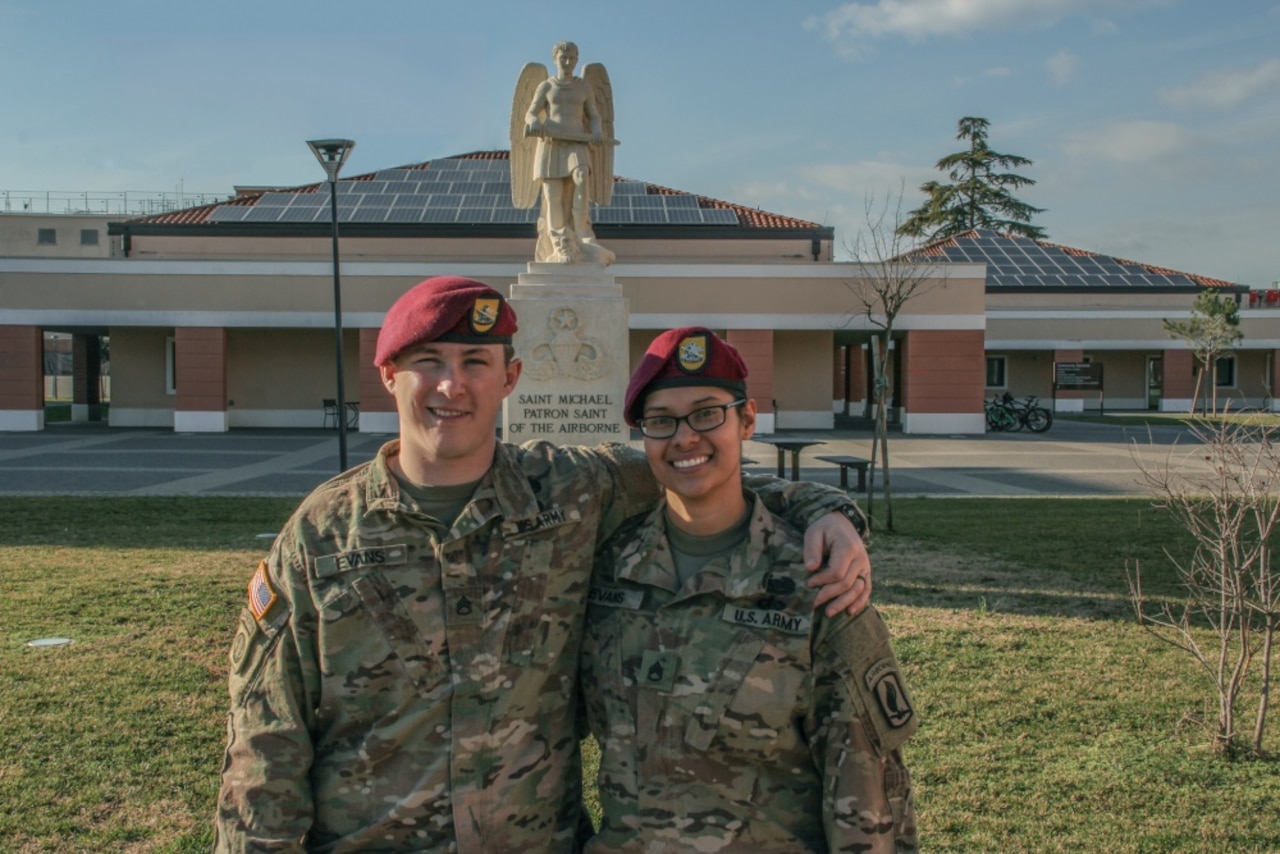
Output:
x=261 y=594
x=658 y=670
x=882 y=678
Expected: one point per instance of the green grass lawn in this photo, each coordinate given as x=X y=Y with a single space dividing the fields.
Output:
x=1050 y=721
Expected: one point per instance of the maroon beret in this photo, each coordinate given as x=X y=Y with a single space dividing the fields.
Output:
x=445 y=308
x=691 y=355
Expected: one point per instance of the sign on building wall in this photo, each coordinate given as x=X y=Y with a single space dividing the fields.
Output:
x=1076 y=376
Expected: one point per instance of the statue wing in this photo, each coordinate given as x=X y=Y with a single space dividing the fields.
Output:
x=524 y=190
x=601 y=154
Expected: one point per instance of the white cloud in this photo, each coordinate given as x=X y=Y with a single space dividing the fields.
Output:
x=1226 y=88
x=1129 y=142
x=997 y=71
x=1062 y=66
x=852 y=25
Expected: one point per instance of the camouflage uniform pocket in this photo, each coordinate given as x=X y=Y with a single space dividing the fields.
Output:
x=397 y=627
x=705 y=722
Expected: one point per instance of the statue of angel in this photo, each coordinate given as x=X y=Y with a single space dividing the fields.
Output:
x=562 y=151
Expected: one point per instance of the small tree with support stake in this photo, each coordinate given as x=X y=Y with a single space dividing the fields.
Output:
x=896 y=274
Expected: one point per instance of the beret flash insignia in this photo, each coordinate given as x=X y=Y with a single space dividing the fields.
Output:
x=484 y=314
x=692 y=353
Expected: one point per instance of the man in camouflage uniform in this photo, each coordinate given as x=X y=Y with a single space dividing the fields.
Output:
x=729 y=716
x=400 y=682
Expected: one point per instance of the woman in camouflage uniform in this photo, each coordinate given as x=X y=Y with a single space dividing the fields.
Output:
x=730 y=715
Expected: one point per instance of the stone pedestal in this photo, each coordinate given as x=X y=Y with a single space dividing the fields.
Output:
x=574 y=342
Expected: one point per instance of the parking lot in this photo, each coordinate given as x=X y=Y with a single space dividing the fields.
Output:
x=1071 y=459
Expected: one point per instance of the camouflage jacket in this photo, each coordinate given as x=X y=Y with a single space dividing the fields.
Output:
x=730 y=716
x=393 y=690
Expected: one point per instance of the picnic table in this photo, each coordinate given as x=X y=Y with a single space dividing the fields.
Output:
x=795 y=446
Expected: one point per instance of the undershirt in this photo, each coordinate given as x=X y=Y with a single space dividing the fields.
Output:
x=441 y=503
x=690 y=552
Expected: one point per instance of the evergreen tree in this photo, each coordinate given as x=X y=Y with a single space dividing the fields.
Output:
x=979 y=195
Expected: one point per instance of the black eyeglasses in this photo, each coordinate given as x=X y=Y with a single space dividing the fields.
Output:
x=700 y=420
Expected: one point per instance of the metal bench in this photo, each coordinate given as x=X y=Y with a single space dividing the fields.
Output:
x=846 y=463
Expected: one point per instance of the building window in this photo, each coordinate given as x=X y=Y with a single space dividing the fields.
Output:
x=47 y=237
x=1226 y=369
x=88 y=237
x=996 y=376
x=170 y=366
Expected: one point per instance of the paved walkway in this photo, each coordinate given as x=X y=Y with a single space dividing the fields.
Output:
x=1072 y=459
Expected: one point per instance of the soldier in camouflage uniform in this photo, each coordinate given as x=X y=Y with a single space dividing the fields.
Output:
x=400 y=682
x=730 y=717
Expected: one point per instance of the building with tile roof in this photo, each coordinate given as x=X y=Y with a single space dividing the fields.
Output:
x=220 y=315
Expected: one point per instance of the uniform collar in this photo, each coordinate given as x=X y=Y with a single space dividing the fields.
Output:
x=648 y=560
x=503 y=491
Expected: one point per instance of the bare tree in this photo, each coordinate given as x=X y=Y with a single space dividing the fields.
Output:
x=1212 y=329
x=894 y=273
x=1227 y=501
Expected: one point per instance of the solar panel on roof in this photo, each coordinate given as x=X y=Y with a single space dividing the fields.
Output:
x=228 y=213
x=368 y=214
x=692 y=216
x=629 y=188
x=509 y=214
x=411 y=200
x=445 y=200
x=475 y=215
x=648 y=215
x=434 y=214
x=466 y=187
x=435 y=176
x=683 y=201
x=613 y=215
x=267 y=214
x=644 y=201
x=274 y=200
x=404 y=215
x=719 y=216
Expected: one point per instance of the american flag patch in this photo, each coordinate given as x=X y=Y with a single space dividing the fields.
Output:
x=261 y=596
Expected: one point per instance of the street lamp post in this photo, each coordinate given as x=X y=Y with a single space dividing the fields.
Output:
x=332 y=153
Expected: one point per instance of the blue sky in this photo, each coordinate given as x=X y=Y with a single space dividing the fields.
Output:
x=1154 y=124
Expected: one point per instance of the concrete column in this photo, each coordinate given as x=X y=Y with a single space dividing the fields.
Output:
x=857 y=380
x=1274 y=391
x=86 y=370
x=377 y=406
x=1179 y=381
x=839 y=379
x=200 y=377
x=21 y=378
x=1068 y=400
x=943 y=376
x=756 y=347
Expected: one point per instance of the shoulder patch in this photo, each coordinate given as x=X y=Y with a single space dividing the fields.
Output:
x=261 y=594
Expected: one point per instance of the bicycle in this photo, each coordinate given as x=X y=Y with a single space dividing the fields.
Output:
x=1000 y=417
x=1035 y=418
